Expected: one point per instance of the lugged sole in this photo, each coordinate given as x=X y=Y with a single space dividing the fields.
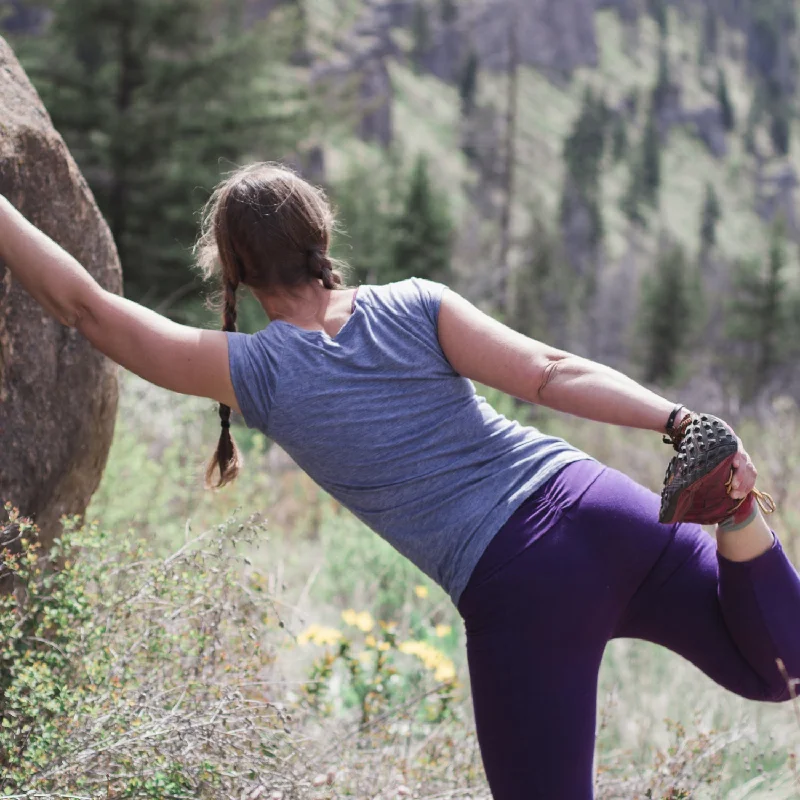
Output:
x=709 y=449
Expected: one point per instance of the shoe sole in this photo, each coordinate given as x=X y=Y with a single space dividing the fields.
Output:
x=713 y=450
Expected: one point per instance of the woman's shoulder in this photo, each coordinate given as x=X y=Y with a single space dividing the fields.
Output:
x=264 y=344
x=408 y=295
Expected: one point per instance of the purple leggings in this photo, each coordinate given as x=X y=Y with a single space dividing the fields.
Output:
x=539 y=609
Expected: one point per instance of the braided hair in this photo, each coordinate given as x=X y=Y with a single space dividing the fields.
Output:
x=320 y=266
x=266 y=228
x=227 y=458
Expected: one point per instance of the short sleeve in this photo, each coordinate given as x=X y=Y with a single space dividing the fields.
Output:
x=421 y=299
x=431 y=293
x=253 y=367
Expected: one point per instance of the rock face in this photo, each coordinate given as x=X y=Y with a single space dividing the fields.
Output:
x=58 y=396
x=556 y=35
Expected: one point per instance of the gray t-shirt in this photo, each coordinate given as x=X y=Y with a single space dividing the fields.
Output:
x=380 y=420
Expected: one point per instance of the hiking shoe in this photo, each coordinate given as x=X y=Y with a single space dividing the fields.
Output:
x=698 y=481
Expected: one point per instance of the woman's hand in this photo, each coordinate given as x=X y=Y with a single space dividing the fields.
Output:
x=744 y=473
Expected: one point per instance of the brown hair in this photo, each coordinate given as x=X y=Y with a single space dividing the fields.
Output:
x=264 y=227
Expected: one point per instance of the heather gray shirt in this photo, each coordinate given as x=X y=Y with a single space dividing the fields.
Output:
x=378 y=418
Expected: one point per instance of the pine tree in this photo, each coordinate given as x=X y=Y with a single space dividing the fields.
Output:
x=581 y=193
x=773 y=29
x=151 y=97
x=651 y=160
x=780 y=128
x=468 y=82
x=527 y=314
x=662 y=85
x=448 y=10
x=632 y=102
x=710 y=216
x=544 y=289
x=422 y=231
x=759 y=317
x=632 y=200
x=666 y=315
x=585 y=145
x=755 y=116
x=582 y=227
x=773 y=318
x=709 y=41
x=723 y=98
x=301 y=55
x=619 y=139
x=658 y=10
x=364 y=213
x=645 y=175
x=421 y=33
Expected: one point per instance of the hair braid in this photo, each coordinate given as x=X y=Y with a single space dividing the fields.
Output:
x=266 y=228
x=227 y=458
x=320 y=266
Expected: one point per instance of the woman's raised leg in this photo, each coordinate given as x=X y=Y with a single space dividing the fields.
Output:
x=732 y=619
x=537 y=624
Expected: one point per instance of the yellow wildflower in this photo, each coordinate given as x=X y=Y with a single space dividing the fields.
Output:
x=445 y=671
x=349 y=616
x=421 y=591
x=318 y=634
x=443 y=630
x=364 y=621
x=369 y=640
x=432 y=658
x=383 y=645
x=416 y=648
x=359 y=619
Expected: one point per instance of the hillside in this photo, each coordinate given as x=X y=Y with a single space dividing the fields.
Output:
x=614 y=49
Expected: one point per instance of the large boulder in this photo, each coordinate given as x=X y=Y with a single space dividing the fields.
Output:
x=58 y=396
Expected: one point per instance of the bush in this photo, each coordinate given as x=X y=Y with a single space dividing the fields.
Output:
x=134 y=674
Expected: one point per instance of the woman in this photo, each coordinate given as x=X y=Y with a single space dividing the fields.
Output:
x=546 y=553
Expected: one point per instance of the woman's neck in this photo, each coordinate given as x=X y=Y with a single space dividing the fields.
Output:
x=311 y=306
x=306 y=306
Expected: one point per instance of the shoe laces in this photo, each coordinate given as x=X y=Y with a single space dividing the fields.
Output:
x=674 y=436
x=764 y=499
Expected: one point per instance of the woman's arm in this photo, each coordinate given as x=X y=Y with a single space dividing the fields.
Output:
x=177 y=357
x=484 y=349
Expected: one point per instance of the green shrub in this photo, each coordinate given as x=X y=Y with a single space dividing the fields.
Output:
x=133 y=674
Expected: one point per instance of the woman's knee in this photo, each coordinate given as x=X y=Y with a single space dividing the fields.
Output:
x=784 y=688
x=777 y=689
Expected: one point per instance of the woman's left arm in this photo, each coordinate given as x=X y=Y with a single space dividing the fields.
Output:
x=178 y=357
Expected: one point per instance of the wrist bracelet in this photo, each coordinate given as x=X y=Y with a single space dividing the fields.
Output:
x=671 y=421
